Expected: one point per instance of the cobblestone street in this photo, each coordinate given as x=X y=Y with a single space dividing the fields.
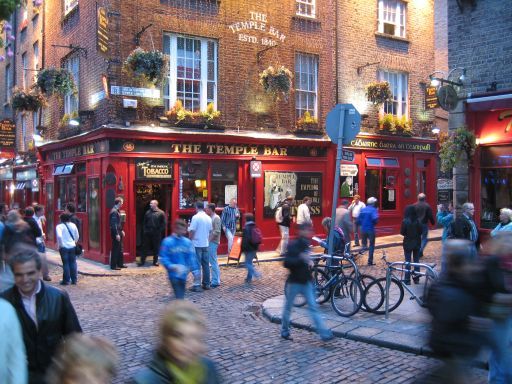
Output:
x=246 y=346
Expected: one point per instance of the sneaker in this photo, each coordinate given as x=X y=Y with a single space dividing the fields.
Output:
x=62 y=282
x=327 y=337
x=206 y=287
x=196 y=289
x=287 y=337
x=214 y=285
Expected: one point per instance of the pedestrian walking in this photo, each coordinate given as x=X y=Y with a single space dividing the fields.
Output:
x=178 y=256
x=367 y=219
x=117 y=235
x=505 y=222
x=179 y=357
x=13 y=359
x=445 y=217
x=153 y=231
x=214 y=241
x=229 y=218
x=40 y=241
x=45 y=312
x=16 y=231
x=303 y=213
x=35 y=231
x=283 y=218
x=344 y=221
x=355 y=209
x=199 y=232
x=67 y=238
x=251 y=240
x=411 y=230
x=298 y=262
x=464 y=227
x=425 y=215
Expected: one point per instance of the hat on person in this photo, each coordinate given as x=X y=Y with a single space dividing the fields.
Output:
x=371 y=201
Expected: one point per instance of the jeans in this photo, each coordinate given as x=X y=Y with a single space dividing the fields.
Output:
x=178 y=286
x=229 y=236
x=116 y=254
x=356 y=233
x=44 y=262
x=369 y=236
x=307 y=291
x=204 y=261
x=214 y=264
x=424 y=238
x=68 y=258
x=416 y=257
x=285 y=235
x=500 y=359
x=251 y=272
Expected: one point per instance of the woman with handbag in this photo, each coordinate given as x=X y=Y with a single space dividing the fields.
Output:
x=67 y=239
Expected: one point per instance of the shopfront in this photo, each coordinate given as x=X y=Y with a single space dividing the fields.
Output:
x=26 y=185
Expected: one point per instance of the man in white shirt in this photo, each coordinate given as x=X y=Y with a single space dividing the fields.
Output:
x=303 y=214
x=355 y=208
x=199 y=232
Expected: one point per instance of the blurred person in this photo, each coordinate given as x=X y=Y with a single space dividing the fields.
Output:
x=117 y=234
x=251 y=240
x=425 y=215
x=67 y=238
x=178 y=256
x=4 y=209
x=199 y=232
x=355 y=209
x=16 y=231
x=214 y=241
x=13 y=359
x=45 y=312
x=368 y=218
x=339 y=241
x=344 y=221
x=31 y=221
x=505 y=222
x=303 y=213
x=464 y=227
x=298 y=262
x=153 y=231
x=283 y=218
x=83 y=359
x=445 y=217
x=411 y=230
x=179 y=357
x=40 y=241
x=229 y=217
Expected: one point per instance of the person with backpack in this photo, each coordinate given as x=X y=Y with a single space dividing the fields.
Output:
x=284 y=219
x=251 y=240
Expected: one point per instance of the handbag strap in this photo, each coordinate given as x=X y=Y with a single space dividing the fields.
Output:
x=70 y=234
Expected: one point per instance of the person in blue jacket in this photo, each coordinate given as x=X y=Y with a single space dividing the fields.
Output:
x=505 y=222
x=367 y=219
x=445 y=217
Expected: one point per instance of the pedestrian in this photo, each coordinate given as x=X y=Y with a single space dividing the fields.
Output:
x=179 y=357
x=303 y=213
x=83 y=359
x=425 y=215
x=13 y=359
x=283 y=218
x=344 y=221
x=213 y=246
x=411 y=230
x=229 y=218
x=367 y=219
x=251 y=240
x=35 y=231
x=73 y=218
x=117 y=235
x=505 y=222
x=45 y=312
x=464 y=227
x=178 y=256
x=4 y=210
x=16 y=231
x=338 y=247
x=153 y=229
x=40 y=241
x=67 y=238
x=300 y=281
x=444 y=217
x=355 y=209
x=199 y=232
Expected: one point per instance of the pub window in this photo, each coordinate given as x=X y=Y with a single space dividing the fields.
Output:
x=392 y=17
x=71 y=99
x=71 y=186
x=306 y=8
x=94 y=213
x=193 y=182
x=398 y=83
x=82 y=194
x=381 y=181
x=224 y=182
x=306 y=89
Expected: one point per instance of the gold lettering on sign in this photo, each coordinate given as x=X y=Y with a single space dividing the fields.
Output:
x=503 y=115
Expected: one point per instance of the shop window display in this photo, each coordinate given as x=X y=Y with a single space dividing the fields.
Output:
x=193 y=182
x=224 y=182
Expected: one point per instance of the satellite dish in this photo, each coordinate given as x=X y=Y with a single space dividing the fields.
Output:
x=447 y=97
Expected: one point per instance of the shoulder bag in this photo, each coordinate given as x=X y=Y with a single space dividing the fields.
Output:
x=78 y=247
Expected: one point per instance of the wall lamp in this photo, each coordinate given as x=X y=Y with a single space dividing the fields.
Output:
x=445 y=78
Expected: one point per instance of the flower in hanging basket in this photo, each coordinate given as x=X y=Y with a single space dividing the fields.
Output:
x=277 y=81
x=55 y=81
x=27 y=101
x=460 y=141
x=378 y=92
x=211 y=115
x=147 y=66
x=307 y=124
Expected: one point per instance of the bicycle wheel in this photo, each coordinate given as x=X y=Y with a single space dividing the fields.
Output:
x=376 y=294
x=429 y=280
x=396 y=295
x=299 y=300
x=320 y=279
x=347 y=296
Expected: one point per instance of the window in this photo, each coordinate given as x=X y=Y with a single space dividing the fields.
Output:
x=23 y=139
x=306 y=8
x=69 y=5
x=306 y=80
x=193 y=72
x=35 y=120
x=71 y=185
x=25 y=69
x=8 y=82
x=94 y=213
x=71 y=99
x=381 y=180
x=36 y=56
x=392 y=17
x=223 y=180
x=398 y=82
x=193 y=178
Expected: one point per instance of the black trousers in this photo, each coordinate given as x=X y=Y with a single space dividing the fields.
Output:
x=150 y=246
x=116 y=254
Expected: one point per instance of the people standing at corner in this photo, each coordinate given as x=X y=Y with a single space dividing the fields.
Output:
x=284 y=220
x=425 y=215
x=368 y=218
x=214 y=241
x=117 y=235
x=251 y=240
x=464 y=226
x=153 y=229
x=355 y=208
x=67 y=237
x=199 y=232
x=505 y=222
x=411 y=231
x=228 y=218
x=303 y=213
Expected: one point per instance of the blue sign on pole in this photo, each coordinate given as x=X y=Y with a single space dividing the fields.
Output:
x=351 y=126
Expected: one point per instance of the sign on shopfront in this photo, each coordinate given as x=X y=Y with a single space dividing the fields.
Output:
x=250 y=31
x=153 y=169
x=102 y=36
x=7 y=134
x=393 y=145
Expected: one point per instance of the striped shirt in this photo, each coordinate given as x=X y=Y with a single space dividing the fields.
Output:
x=229 y=217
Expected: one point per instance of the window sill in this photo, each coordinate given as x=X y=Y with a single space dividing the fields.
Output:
x=307 y=19
x=392 y=37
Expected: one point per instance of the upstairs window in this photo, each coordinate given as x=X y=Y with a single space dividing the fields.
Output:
x=8 y=82
x=392 y=17
x=69 y=5
x=25 y=69
x=71 y=99
x=398 y=83
x=306 y=80
x=306 y=8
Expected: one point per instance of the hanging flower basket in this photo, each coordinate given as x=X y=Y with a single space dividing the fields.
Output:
x=146 y=66
x=27 y=101
x=379 y=92
x=277 y=81
x=7 y=7
x=55 y=81
x=459 y=142
x=393 y=125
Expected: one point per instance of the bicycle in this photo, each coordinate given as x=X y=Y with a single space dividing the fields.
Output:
x=393 y=294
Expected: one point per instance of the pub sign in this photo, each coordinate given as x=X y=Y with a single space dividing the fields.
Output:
x=153 y=169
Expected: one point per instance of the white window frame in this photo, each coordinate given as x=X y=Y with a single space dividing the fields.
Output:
x=170 y=94
x=24 y=70
x=392 y=12
x=8 y=82
x=69 y=5
x=305 y=8
x=35 y=61
x=35 y=120
x=71 y=100
x=399 y=85
x=309 y=90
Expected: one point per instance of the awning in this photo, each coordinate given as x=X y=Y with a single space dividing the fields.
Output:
x=63 y=170
x=489 y=103
x=21 y=185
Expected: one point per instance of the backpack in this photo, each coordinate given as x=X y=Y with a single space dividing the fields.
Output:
x=279 y=215
x=256 y=236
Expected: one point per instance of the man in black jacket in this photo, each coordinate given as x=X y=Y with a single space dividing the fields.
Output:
x=35 y=231
x=117 y=234
x=73 y=218
x=464 y=227
x=300 y=282
x=425 y=215
x=45 y=312
x=153 y=229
